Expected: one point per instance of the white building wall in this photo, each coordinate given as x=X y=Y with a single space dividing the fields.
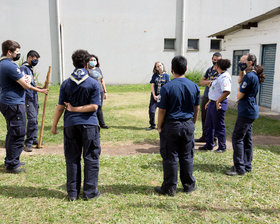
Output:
x=267 y=32
x=127 y=35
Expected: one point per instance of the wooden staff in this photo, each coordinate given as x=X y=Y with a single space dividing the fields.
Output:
x=46 y=85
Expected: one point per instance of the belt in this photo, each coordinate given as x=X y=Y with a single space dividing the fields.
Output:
x=179 y=119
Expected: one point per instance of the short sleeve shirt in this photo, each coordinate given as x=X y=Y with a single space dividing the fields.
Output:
x=11 y=92
x=179 y=98
x=98 y=76
x=220 y=85
x=247 y=106
x=159 y=81
x=85 y=93
x=210 y=74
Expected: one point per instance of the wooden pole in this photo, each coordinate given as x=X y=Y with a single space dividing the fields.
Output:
x=46 y=85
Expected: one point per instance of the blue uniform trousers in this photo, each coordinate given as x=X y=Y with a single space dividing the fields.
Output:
x=100 y=112
x=204 y=100
x=152 y=111
x=80 y=139
x=16 y=122
x=177 y=144
x=215 y=125
x=31 y=106
x=242 y=144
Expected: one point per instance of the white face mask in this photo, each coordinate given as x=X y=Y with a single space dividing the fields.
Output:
x=92 y=63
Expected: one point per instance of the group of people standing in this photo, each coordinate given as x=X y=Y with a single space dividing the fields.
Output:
x=178 y=102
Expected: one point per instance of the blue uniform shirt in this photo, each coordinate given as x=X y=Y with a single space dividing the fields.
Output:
x=179 y=98
x=247 y=106
x=210 y=74
x=159 y=80
x=27 y=70
x=79 y=90
x=10 y=91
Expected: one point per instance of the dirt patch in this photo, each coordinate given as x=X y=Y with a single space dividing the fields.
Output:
x=135 y=149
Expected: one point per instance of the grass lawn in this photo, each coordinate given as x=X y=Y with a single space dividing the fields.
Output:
x=127 y=182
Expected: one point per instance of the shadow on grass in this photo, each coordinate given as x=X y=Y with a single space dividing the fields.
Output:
x=211 y=168
x=29 y=192
x=119 y=189
x=2 y=143
x=127 y=127
x=148 y=141
x=273 y=149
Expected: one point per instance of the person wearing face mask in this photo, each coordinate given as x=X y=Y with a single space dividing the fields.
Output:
x=95 y=72
x=159 y=78
x=216 y=108
x=210 y=75
x=12 y=99
x=251 y=76
x=31 y=101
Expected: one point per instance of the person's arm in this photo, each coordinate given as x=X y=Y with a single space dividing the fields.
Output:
x=205 y=82
x=240 y=95
x=206 y=105
x=222 y=97
x=57 y=114
x=161 y=116
x=153 y=92
x=26 y=85
x=240 y=77
x=81 y=109
x=196 y=110
x=104 y=88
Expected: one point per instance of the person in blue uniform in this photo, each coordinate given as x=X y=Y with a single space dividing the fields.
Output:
x=178 y=105
x=12 y=99
x=217 y=107
x=159 y=78
x=210 y=75
x=250 y=78
x=31 y=101
x=95 y=72
x=80 y=97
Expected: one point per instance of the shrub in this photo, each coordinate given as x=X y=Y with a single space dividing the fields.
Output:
x=194 y=75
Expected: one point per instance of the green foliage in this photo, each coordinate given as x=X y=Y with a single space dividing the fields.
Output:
x=194 y=75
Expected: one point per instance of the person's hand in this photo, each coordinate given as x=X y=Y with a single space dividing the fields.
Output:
x=45 y=91
x=155 y=98
x=54 y=130
x=218 y=105
x=206 y=105
x=105 y=96
x=209 y=84
x=159 y=130
x=69 y=107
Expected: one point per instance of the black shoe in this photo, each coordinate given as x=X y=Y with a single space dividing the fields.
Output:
x=104 y=126
x=170 y=192
x=27 y=148
x=190 y=189
x=204 y=148
x=72 y=198
x=201 y=139
x=233 y=172
x=150 y=128
x=36 y=143
x=16 y=170
x=98 y=193
x=220 y=150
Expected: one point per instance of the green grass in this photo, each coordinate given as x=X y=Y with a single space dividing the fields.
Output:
x=127 y=182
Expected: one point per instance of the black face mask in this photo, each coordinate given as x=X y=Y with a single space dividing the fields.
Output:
x=16 y=57
x=214 y=63
x=34 y=62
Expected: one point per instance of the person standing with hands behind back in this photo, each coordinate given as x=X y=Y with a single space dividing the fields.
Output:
x=159 y=78
x=178 y=110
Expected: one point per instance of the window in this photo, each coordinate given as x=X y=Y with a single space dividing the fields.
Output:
x=215 y=45
x=169 y=44
x=237 y=54
x=193 y=44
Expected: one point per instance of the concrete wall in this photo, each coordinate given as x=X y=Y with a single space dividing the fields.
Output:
x=128 y=36
x=267 y=32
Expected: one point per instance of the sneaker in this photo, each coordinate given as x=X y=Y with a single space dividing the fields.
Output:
x=169 y=192
x=98 y=193
x=204 y=147
x=36 y=143
x=220 y=150
x=233 y=172
x=201 y=139
x=190 y=189
x=150 y=128
x=27 y=148
x=16 y=170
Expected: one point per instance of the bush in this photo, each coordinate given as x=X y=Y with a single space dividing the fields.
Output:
x=194 y=75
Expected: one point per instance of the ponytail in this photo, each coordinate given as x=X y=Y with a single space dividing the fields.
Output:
x=259 y=69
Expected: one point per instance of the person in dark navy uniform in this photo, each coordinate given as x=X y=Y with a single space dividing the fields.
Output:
x=210 y=75
x=12 y=100
x=31 y=101
x=159 y=78
x=217 y=107
x=251 y=76
x=178 y=104
x=80 y=96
